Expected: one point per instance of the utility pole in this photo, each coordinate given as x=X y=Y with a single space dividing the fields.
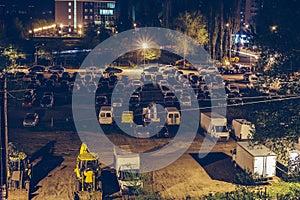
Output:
x=4 y=141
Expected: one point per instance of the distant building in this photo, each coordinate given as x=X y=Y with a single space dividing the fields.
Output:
x=249 y=10
x=76 y=13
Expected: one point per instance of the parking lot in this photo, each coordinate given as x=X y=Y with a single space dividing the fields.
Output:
x=53 y=143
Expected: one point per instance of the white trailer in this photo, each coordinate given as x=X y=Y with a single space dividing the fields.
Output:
x=215 y=125
x=127 y=165
x=258 y=160
x=242 y=129
x=173 y=116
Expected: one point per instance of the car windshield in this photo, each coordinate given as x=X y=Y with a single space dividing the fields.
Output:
x=221 y=129
x=128 y=175
x=30 y=117
x=46 y=99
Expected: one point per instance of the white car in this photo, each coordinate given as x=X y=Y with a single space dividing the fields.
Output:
x=31 y=120
x=117 y=102
x=185 y=101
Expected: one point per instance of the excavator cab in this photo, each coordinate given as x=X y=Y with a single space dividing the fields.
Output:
x=87 y=170
x=19 y=169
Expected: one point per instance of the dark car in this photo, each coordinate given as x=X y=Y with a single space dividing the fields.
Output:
x=47 y=101
x=162 y=131
x=101 y=100
x=56 y=68
x=37 y=68
x=113 y=70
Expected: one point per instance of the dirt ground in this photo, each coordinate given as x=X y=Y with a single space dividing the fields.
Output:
x=54 y=156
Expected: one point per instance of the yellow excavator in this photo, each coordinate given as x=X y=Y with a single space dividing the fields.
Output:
x=19 y=172
x=87 y=170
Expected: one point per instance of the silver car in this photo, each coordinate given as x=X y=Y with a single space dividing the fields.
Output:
x=31 y=120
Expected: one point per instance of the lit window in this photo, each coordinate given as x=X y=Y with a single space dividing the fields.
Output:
x=85 y=17
x=85 y=10
x=69 y=10
x=106 y=12
x=91 y=10
x=70 y=3
x=91 y=17
x=70 y=16
x=111 y=5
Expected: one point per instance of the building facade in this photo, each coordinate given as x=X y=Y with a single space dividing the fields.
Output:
x=77 y=13
x=249 y=9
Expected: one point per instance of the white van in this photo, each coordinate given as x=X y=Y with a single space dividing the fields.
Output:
x=173 y=116
x=106 y=115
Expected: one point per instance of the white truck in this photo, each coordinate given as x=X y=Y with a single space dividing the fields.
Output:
x=127 y=165
x=259 y=160
x=242 y=129
x=215 y=125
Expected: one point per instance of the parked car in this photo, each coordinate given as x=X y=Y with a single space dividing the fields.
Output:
x=232 y=88
x=113 y=69
x=162 y=131
x=56 y=68
x=31 y=120
x=117 y=102
x=101 y=100
x=47 y=100
x=37 y=68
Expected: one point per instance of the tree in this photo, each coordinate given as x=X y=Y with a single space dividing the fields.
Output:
x=278 y=36
x=150 y=54
x=193 y=25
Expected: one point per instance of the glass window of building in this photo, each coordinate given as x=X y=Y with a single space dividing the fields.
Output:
x=111 y=5
x=85 y=10
x=106 y=12
x=70 y=3
x=91 y=10
x=70 y=16
x=69 y=10
x=85 y=17
x=91 y=17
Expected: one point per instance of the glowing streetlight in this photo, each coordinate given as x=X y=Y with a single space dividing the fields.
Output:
x=144 y=46
x=273 y=28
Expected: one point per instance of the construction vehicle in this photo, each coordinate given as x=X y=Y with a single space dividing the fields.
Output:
x=127 y=165
x=19 y=173
x=87 y=170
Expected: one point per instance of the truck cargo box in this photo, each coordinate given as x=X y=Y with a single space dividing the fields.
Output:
x=257 y=159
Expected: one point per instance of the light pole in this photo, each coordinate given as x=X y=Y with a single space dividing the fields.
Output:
x=144 y=46
x=230 y=35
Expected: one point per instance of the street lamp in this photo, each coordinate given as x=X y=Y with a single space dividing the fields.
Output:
x=230 y=40
x=274 y=28
x=144 y=46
